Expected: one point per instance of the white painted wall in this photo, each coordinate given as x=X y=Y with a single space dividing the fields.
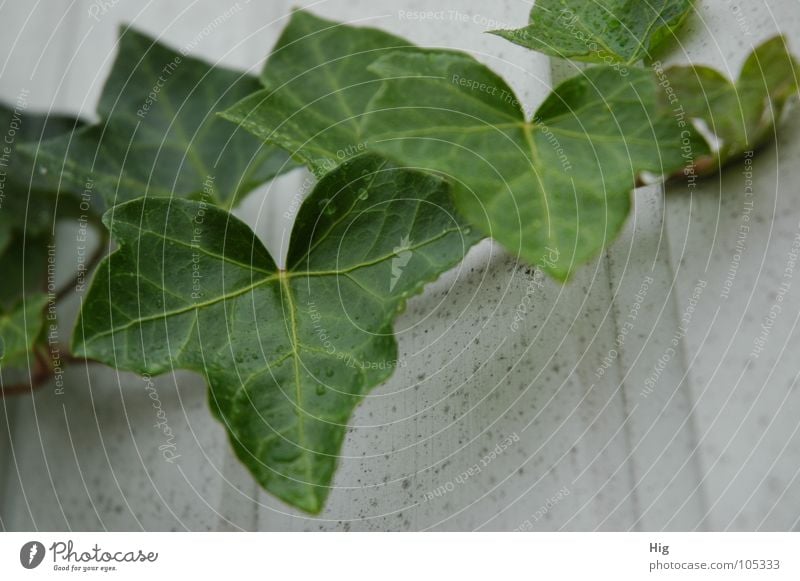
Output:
x=715 y=446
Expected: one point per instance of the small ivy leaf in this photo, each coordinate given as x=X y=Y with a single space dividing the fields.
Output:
x=600 y=31
x=741 y=116
x=288 y=354
x=159 y=133
x=318 y=85
x=20 y=327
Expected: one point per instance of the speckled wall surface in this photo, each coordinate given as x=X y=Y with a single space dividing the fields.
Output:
x=584 y=444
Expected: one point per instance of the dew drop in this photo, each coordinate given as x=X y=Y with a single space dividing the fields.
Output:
x=330 y=210
x=42 y=170
x=320 y=389
x=329 y=373
x=363 y=194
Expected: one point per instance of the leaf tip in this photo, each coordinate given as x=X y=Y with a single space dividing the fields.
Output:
x=312 y=503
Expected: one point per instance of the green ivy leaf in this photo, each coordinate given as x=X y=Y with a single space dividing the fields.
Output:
x=318 y=88
x=28 y=199
x=159 y=134
x=600 y=31
x=20 y=327
x=288 y=354
x=741 y=115
x=559 y=185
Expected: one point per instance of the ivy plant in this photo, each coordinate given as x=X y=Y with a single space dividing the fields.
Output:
x=418 y=153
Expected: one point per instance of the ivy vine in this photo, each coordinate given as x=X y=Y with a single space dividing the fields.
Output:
x=418 y=154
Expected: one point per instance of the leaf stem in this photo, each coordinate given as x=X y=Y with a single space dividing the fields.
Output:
x=42 y=369
x=39 y=377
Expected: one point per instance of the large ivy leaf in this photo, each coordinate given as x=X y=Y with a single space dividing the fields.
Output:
x=159 y=134
x=288 y=354
x=560 y=183
x=741 y=115
x=318 y=88
x=600 y=31
x=20 y=327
